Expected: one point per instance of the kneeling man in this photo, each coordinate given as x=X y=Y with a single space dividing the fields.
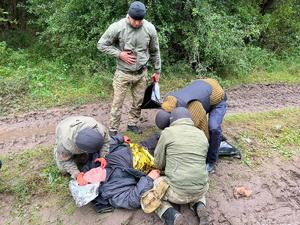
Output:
x=77 y=137
x=181 y=153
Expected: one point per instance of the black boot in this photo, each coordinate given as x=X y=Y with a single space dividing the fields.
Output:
x=173 y=217
x=134 y=129
x=201 y=212
x=210 y=167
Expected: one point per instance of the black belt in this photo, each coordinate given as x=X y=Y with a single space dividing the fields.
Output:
x=137 y=72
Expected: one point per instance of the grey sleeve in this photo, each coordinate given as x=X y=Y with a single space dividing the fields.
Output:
x=65 y=162
x=130 y=199
x=154 y=51
x=160 y=152
x=108 y=40
x=105 y=148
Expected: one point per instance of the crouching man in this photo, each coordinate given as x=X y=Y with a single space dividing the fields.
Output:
x=77 y=137
x=181 y=153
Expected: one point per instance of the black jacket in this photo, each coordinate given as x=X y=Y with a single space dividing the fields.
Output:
x=124 y=185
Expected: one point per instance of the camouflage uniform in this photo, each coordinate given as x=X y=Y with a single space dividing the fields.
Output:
x=65 y=150
x=143 y=43
x=179 y=197
x=120 y=84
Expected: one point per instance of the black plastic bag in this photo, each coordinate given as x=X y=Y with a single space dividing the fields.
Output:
x=151 y=97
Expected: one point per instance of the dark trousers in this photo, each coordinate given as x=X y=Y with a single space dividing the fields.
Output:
x=215 y=120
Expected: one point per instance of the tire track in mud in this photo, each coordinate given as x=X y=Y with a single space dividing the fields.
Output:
x=18 y=132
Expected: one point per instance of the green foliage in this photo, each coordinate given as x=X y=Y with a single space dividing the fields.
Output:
x=216 y=40
x=76 y=26
x=28 y=79
x=55 y=179
x=14 y=87
x=18 y=38
x=54 y=61
x=282 y=33
x=210 y=36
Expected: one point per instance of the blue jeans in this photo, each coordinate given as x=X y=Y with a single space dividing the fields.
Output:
x=215 y=120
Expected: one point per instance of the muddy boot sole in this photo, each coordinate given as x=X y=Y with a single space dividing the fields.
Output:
x=203 y=215
x=180 y=220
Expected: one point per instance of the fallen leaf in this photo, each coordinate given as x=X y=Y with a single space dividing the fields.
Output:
x=241 y=192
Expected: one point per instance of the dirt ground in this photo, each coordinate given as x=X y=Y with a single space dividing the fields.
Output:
x=34 y=129
x=275 y=184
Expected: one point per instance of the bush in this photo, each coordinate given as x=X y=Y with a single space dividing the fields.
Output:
x=282 y=32
x=209 y=36
x=13 y=87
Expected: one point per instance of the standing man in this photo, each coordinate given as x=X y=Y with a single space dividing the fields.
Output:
x=77 y=137
x=182 y=157
x=133 y=42
x=201 y=97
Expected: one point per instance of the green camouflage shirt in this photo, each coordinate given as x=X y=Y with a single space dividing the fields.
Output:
x=142 y=41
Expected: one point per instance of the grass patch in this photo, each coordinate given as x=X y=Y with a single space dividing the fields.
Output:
x=285 y=71
x=32 y=177
x=30 y=81
x=32 y=173
x=135 y=138
x=264 y=134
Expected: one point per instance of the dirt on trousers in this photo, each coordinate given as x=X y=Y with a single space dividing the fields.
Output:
x=275 y=184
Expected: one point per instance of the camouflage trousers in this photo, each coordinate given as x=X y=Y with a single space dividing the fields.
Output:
x=137 y=85
x=179 y=197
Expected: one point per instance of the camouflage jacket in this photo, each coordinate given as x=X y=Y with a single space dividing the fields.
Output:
x=65 y=147
x=142 y=41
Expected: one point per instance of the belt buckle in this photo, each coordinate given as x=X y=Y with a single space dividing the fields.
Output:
x=137 y=72
x=141 y=70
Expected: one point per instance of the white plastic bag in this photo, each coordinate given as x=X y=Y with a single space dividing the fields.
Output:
x=83 y=194
x=155 y=96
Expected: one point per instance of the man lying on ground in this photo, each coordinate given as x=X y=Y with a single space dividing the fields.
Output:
x=125 y=182
x=83 y=140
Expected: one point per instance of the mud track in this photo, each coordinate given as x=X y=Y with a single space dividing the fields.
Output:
x=275 y=184
x=34 y=129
